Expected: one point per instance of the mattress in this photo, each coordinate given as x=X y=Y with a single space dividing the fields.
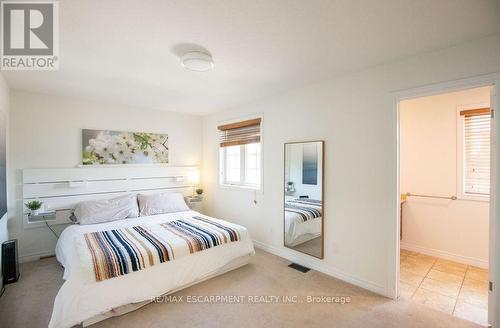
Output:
x=82 y=299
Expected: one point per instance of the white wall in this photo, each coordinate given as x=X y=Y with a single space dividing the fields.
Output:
x=4 y=108
x=355 y=115
x=457 y=230
x=46 y=133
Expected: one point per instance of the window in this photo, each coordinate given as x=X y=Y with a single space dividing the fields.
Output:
x=252 y=163
x=233 y=164
x=475 y=139
x=240 y=160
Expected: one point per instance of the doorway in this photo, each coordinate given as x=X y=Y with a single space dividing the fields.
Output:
x=446 y=254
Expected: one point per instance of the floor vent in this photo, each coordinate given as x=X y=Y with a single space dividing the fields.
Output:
x=299 y=267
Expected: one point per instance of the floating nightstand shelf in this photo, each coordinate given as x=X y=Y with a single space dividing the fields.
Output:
x=42 y=217
x=194 y=199
x=195 y=203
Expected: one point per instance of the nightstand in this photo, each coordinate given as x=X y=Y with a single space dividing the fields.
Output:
x=195 y=203
x=42 y=217
x=45 y=218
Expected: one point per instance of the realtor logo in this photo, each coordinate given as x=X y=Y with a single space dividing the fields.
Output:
x=30 y=35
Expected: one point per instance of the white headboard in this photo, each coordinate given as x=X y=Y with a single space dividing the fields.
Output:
x=61 y=189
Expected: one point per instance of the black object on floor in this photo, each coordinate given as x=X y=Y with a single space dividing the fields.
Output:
x=10 y=262
x=299 y=267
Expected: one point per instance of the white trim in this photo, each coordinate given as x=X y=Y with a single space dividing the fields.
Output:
x=482 y=263
x=494 y=250
x=238 y=186
x=320 y=266
x=494 y=258
x=35 y=256
x=450 y=86
x=394 y=263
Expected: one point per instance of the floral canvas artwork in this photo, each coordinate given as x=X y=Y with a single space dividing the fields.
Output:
x=102 y=147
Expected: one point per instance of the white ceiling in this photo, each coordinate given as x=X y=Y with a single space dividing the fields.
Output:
x=127 y=51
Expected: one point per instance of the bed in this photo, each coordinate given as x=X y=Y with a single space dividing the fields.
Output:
x=302 y=220
x=87 y=297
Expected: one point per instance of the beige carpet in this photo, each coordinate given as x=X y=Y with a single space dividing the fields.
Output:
x=311 y=247
x=28 y=303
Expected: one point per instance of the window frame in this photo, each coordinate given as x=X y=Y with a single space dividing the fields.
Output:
x=461 y=194
x=223 y=184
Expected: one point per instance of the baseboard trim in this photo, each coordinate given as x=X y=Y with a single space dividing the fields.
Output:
x=34 y=256
x=312 y=263
x=445 y=255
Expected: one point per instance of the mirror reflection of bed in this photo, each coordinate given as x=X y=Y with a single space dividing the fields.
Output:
x=303 y=203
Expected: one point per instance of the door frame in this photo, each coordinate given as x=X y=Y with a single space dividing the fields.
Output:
x=492 y=80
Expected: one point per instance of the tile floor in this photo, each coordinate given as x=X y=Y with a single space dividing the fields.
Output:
x=451 y=287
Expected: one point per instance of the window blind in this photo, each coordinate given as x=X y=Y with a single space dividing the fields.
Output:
x=477 y=151
x=239 y=133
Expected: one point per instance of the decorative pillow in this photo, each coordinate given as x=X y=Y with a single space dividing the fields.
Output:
x=161 y=203
x=107 y=210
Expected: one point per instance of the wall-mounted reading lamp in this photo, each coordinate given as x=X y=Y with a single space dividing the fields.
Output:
x=194 y=178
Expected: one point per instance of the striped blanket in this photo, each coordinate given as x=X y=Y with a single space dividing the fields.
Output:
x=121 y=251
x=305 y=208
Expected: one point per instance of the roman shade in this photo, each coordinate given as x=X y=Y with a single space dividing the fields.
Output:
x=240 y=133
x=477 y=151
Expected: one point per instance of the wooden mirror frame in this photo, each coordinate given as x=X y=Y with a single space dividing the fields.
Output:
x=322 y=142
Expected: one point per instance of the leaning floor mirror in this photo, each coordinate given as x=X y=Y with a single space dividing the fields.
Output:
x=303 y=204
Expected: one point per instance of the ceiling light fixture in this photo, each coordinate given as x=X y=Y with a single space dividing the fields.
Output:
x=197 y=61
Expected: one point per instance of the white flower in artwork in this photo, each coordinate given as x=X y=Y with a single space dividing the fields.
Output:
x=122 y=153
x=110 y=147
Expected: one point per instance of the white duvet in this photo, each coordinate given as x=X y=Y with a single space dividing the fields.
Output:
x=81 y=297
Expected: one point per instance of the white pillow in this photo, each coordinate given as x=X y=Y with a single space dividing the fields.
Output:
x=106 y=210
x=161 y=203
